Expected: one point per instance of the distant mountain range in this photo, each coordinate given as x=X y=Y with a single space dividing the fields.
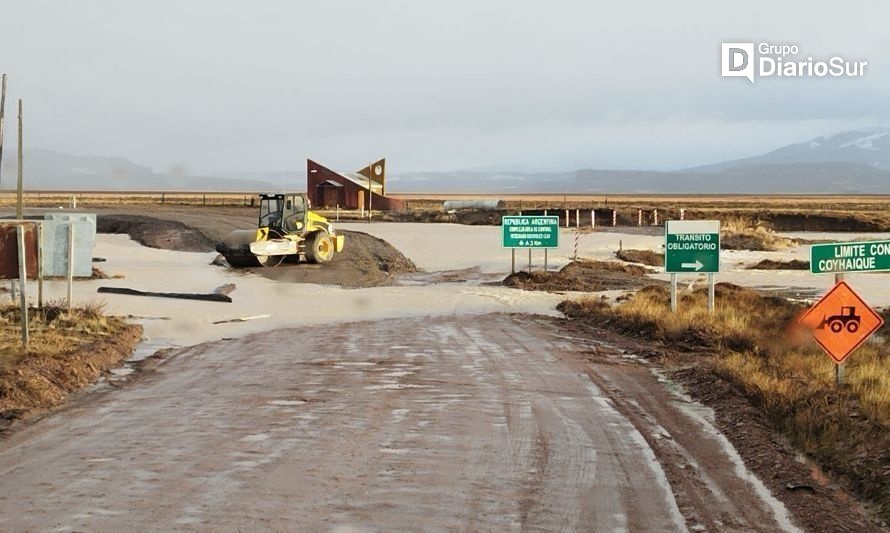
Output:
x=849 y=162
x=50 y=170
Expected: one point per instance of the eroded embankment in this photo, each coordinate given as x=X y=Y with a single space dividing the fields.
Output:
x=67 y=351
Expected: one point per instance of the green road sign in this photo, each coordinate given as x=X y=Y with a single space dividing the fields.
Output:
x=692 y=246
x=530 y=232
x=837 y=257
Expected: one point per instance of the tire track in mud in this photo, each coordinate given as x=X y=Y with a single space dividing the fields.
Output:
x=469 y=423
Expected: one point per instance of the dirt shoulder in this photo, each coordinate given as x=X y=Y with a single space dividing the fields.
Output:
x=775 y=401
x=66 y=353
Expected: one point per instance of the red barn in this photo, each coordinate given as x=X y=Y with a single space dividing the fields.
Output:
x=329 y=188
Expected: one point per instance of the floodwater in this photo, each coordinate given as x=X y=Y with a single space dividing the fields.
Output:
x=458 y=261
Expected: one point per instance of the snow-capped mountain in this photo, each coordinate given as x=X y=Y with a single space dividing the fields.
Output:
x=867 y=146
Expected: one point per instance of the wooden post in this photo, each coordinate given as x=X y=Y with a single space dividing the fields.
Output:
x=529 y=260
x=40 y=265
x=513 y=261
x=20 y=201
x=23 y=278
x=70 y=263
x=2 y=114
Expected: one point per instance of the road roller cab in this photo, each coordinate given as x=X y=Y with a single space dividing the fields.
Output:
x=286 y=229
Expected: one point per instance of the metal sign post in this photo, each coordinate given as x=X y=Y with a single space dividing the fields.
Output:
x=523 y=231
x=692 y=247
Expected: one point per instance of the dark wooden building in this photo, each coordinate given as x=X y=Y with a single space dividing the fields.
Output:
x=349 y=190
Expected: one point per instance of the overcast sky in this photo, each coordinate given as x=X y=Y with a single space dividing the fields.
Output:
x=221 y=86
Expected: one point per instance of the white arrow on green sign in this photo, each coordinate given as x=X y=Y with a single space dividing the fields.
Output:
x=873 y=256
x=692 y=246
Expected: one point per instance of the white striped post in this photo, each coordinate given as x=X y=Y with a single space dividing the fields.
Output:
x=682 y=214
x=575 y=253
x=655 y=217
x=577 y=218
x=592 y=219
x=640 y=217
x=614 y=217
x=567 y=218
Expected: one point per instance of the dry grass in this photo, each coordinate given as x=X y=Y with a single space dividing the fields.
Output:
x=757 y=348
x=739 y=233
x=66 y=351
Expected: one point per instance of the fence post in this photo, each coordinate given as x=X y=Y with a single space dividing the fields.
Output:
x=592 y=219
x=639 y=217
x=655 y=217
x=614 y=218
x=23 y=278
x=682 y=214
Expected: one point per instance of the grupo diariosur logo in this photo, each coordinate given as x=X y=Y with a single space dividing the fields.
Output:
x=739 y=60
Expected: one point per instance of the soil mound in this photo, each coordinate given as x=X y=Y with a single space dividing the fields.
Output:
x=646 y=257
x=769 y=264
x=588 y=276
x=366 y=261
x=156 y=232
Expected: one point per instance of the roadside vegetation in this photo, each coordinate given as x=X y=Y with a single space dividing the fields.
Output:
x=751 y=342
x=738 y=233
x=66 y=352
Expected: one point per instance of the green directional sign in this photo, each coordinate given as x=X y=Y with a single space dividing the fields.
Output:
x=692 y=246
x=838 y=257
x=530 y=231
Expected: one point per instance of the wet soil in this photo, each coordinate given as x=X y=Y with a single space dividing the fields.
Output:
x=582 y=275
x=156 y=232
x=365 y=426
x=366 y=261
x=646 y=257
x=771 y=264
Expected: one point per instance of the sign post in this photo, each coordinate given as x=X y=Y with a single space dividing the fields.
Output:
x=840 y=257
x=531 y=232
x=692 y=247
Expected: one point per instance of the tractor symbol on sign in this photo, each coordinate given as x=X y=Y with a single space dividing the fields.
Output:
x=847 y=319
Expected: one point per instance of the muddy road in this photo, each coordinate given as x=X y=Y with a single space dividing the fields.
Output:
x=485 y=423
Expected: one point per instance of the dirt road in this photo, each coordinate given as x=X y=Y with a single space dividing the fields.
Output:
x=451 y=423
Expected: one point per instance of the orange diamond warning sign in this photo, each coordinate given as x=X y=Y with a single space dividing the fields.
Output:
x=841 y=321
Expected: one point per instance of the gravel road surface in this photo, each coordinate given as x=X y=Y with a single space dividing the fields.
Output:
x=479 y=423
